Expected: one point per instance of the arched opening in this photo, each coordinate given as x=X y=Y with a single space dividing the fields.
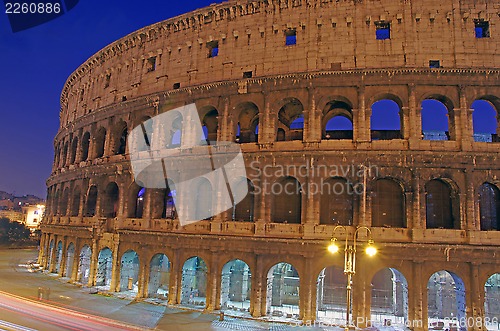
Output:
x=139 y=203
x=287 y=201
x=55 y=202
x=388 y=204
x=389 y=298
x=331 y=295
x=201 y=204
x=439 y=205
x=104 y=268
x=194 y=282
x=70 y=257
x=121 y=141
x=51 y=251
x=159 y=277
x=75 y=202
x=169 y=197
x=143 y=138
x=236 y=283
x=110 y=201
x=85 y=146
x=64 y=155
x=248 y=120
x=84 y=265
x=290 y=120
x=210 y=122
x=129 y=272
x=437 y=119
x=283 y=285
x=74 y=149
x=59 y=256
x=90 y=206
x=337 y=121
x=485 y=121
x=100 y=142
x=386 y=120
x=446 y=300
x=171 y=130
x=243 y=211
x=63 y=203
x=489 y=207
x=336 y=205
x=492 y=301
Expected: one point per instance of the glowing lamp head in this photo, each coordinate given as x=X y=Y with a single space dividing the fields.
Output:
x=333 y=247
x=370 y=249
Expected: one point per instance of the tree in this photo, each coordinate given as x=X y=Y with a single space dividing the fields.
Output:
x=12 y=231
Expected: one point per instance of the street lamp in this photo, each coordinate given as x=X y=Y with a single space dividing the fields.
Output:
x=350 y=260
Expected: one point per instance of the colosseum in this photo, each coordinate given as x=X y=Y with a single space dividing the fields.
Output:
x=393 y=104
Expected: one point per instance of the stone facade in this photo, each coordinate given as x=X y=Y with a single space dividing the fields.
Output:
x=232 y=61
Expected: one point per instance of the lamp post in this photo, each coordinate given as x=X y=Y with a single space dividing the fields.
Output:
x=350 y=259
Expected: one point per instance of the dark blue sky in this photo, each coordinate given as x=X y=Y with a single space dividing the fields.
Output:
x=35 y=63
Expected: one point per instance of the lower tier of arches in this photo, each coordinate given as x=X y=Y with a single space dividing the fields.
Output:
x=420 y=286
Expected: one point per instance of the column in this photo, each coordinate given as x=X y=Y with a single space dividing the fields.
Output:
x=415 y=119
x=115 y=272
x=93 y=263
x=76 y=260
x=363 y=129
x=213 y=283
x=142 y=291
x=417 y=298
x=175 y=279
x=465 y=124
x=307 y=294
x=62 y=263
x=476 y=299
x=258 y=289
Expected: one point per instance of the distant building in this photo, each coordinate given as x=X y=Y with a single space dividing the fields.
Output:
x=32 y=215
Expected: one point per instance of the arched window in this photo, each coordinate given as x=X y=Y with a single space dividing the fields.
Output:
x=485 y=121
x=122 y=142
x=385 y=121
x=439 y=205
x=437 y=119
x=63 y=203
x=74 y=148
x=210 y=122
x=169 y=203
x=85 y=146
x=287 y=201
x=337 y=121
x=248 y=120
x=64 y=155
x=489 y=207
x=290 y=120
x=388 y=204
x=336 y=206
x=100 y=142
x=75 y=204
x=139 y=203
x=243 y=211
x=90 y=206
x=201 y=204
x=110 y=201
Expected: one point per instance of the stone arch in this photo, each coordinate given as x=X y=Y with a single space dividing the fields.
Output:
x=119 y=140
x=485 y=120
x=388 y=204
x=91 y=201
x=337 y=121
x=129 y=272
x=386 y=120
x=202 y=204
x=159 y=276
x=236 y=283
x=331 y=295
x=442 y=205
x=337 y=202
x=287 y=206
x=437 y=116
x=135 y=201
x=243 y=210
x=194 y=282
x=64 y=202
x=209 y=116
x=110 y=200
x=74 y=149
x=64 y=155
x=248 y=121
x=445 y=297
x=59 y=256
x=283 y=291
x=84 y=265
x=75 y=201
x=169 y=197
x=104 y=267
x=100 y=142
x=291 y=119
x=70 y=257
x=389 y=297
x=492 y=298
x=84 y=146
x=489 y=207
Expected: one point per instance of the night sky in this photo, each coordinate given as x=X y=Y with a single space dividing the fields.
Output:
x=34 y=65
